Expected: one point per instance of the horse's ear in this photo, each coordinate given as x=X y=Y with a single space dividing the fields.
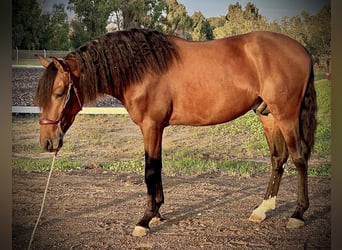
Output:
x=43 y=61
x=57 y=64
x=72 y=63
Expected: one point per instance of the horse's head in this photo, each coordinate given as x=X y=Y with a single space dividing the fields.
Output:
x=60 y=99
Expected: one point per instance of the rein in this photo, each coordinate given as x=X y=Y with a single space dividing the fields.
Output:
x=70 y=86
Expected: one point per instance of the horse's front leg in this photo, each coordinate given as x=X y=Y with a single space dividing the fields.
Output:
x=153 y=166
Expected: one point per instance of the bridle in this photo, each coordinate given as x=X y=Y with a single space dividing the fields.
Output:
x=76 y=91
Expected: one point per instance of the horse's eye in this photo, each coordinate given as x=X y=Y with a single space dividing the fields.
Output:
x=59 y=94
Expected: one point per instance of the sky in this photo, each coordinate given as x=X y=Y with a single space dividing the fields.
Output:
x=272 y=9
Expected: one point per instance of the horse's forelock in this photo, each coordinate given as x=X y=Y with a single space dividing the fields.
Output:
x=45 y=85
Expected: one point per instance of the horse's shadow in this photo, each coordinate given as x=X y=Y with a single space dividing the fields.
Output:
x=284 y=208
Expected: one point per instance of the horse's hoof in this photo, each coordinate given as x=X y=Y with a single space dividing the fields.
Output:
x=140 y=231
x=155 y=220
x=257 y=217
x=294 y=223
x=259 y=214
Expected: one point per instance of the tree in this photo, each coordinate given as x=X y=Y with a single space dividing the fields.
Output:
x=134 y=13
x=293 y=27
x=26 y=24
x=201 y=29
x=46 y=34
x=155 y=12
x=240 y=21
x=313 y=31
x=176 y=21
x=317 y=35
x=137 y=13
x=93 y=14
x=274 y=26
x=79 y=34
x=115 y=20
x=207 y=31
x=58 y=29
x=216 y=22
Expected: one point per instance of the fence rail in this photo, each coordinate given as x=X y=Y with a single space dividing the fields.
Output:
x=28 y=56
x=85 y=110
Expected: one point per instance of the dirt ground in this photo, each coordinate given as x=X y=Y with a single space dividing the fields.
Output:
x=93 y=208
x=89 y=209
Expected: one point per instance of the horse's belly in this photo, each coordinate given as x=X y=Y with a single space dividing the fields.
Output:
x=203 y=112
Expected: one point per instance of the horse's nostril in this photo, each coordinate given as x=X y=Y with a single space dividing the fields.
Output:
x=48 y=146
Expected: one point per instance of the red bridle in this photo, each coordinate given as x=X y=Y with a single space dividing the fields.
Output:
x=71 y=85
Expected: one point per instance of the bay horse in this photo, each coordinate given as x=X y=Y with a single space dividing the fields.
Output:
x=164 y=80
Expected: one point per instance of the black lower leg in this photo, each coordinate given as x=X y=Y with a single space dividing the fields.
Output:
x=155 y=196
x=279 y=155
x=303 y=198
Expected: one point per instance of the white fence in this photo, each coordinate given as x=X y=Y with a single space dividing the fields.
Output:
x=85 y=110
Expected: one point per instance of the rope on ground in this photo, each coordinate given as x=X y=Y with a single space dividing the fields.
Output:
x=43 y=201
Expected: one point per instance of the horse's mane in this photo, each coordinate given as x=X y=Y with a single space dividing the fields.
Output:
x=110 y=63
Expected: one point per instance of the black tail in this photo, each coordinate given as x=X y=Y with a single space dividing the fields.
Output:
x=308 y=122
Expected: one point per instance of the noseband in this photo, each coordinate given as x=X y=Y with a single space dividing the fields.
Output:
x=70 y=86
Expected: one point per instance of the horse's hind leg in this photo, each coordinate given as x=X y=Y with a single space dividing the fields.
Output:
x=279 y=155
x=299 y=152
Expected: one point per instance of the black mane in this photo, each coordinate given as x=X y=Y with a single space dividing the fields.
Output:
x=110 y=63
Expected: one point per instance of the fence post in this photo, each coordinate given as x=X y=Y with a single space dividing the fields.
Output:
x=16 y=48
x=44 y=53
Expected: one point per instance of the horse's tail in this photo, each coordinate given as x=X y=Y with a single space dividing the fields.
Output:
x=308 y=122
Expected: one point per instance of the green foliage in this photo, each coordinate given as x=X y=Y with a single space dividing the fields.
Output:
x=319 y=76
x=132 y=166
x=201 y=29
x=92 y=14
x=321 y=170
x=62 y=164
x=317 y=35
x=126 y=14
x=79 y=35
x=176 y=21
x=240 y=21
x=58 y=29
x=243 y=168
x=255 y=142
x=141 y=13
x=313 y=31
x=31 y=29
x=26 y=24
x=322 y=146
x=216 y=22
x=188 y=166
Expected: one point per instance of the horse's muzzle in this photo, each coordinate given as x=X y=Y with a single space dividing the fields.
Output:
x=50 y=146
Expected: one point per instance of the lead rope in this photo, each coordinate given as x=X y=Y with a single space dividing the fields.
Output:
x=43 y=201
